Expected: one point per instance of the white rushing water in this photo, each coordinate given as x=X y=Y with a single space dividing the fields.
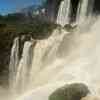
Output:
x=63 y=58
x=23 y=69
x=82 y=11
x=85 y=9
x=63 y=13
x=14 y=60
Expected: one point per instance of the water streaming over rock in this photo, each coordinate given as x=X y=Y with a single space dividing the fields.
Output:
x=84 y=9
x=63 y=13
x=14 y=60
x=64 y=57
x=23 y=69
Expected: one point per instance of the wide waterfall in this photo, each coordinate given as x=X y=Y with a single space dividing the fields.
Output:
x=64 y=57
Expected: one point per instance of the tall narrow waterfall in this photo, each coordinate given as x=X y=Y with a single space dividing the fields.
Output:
x=23 y=69
x=14 y=60
x=82 y=11
x=63 y=13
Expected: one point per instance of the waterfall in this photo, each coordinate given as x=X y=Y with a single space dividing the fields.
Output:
x=84 y=10
x=63 y=13
x=14 y=60
x=23 y=69
x=84 y=14
x=63 y=58
x=35 y=57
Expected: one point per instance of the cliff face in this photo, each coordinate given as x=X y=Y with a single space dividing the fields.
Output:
x=52 y=7
x=97 y=6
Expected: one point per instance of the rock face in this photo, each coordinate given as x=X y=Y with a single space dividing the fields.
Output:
x=70 y=92
x=52 y=7
x=97 y=6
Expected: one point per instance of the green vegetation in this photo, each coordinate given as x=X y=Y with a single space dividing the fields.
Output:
x=20 y=24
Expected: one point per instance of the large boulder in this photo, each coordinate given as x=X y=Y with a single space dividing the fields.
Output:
x=74 y=91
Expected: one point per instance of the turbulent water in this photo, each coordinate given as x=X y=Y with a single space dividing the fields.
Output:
x=63 y=58
x=64 y=12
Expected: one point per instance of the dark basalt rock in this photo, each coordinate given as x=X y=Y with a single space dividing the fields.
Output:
x=52 y=8
x=74 y=91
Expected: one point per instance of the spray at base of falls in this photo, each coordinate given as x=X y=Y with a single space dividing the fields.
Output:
x=63 y=58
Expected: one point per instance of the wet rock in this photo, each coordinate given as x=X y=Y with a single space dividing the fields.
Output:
x=74 y=91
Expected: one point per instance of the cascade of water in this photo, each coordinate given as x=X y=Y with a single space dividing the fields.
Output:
x=63 y=13
x=65 y=58
x=82 y=12
x=22 y=76
x=85 y=8
x=36 y=56
x=45 y=51
x=62 y=58
x=14 y=60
